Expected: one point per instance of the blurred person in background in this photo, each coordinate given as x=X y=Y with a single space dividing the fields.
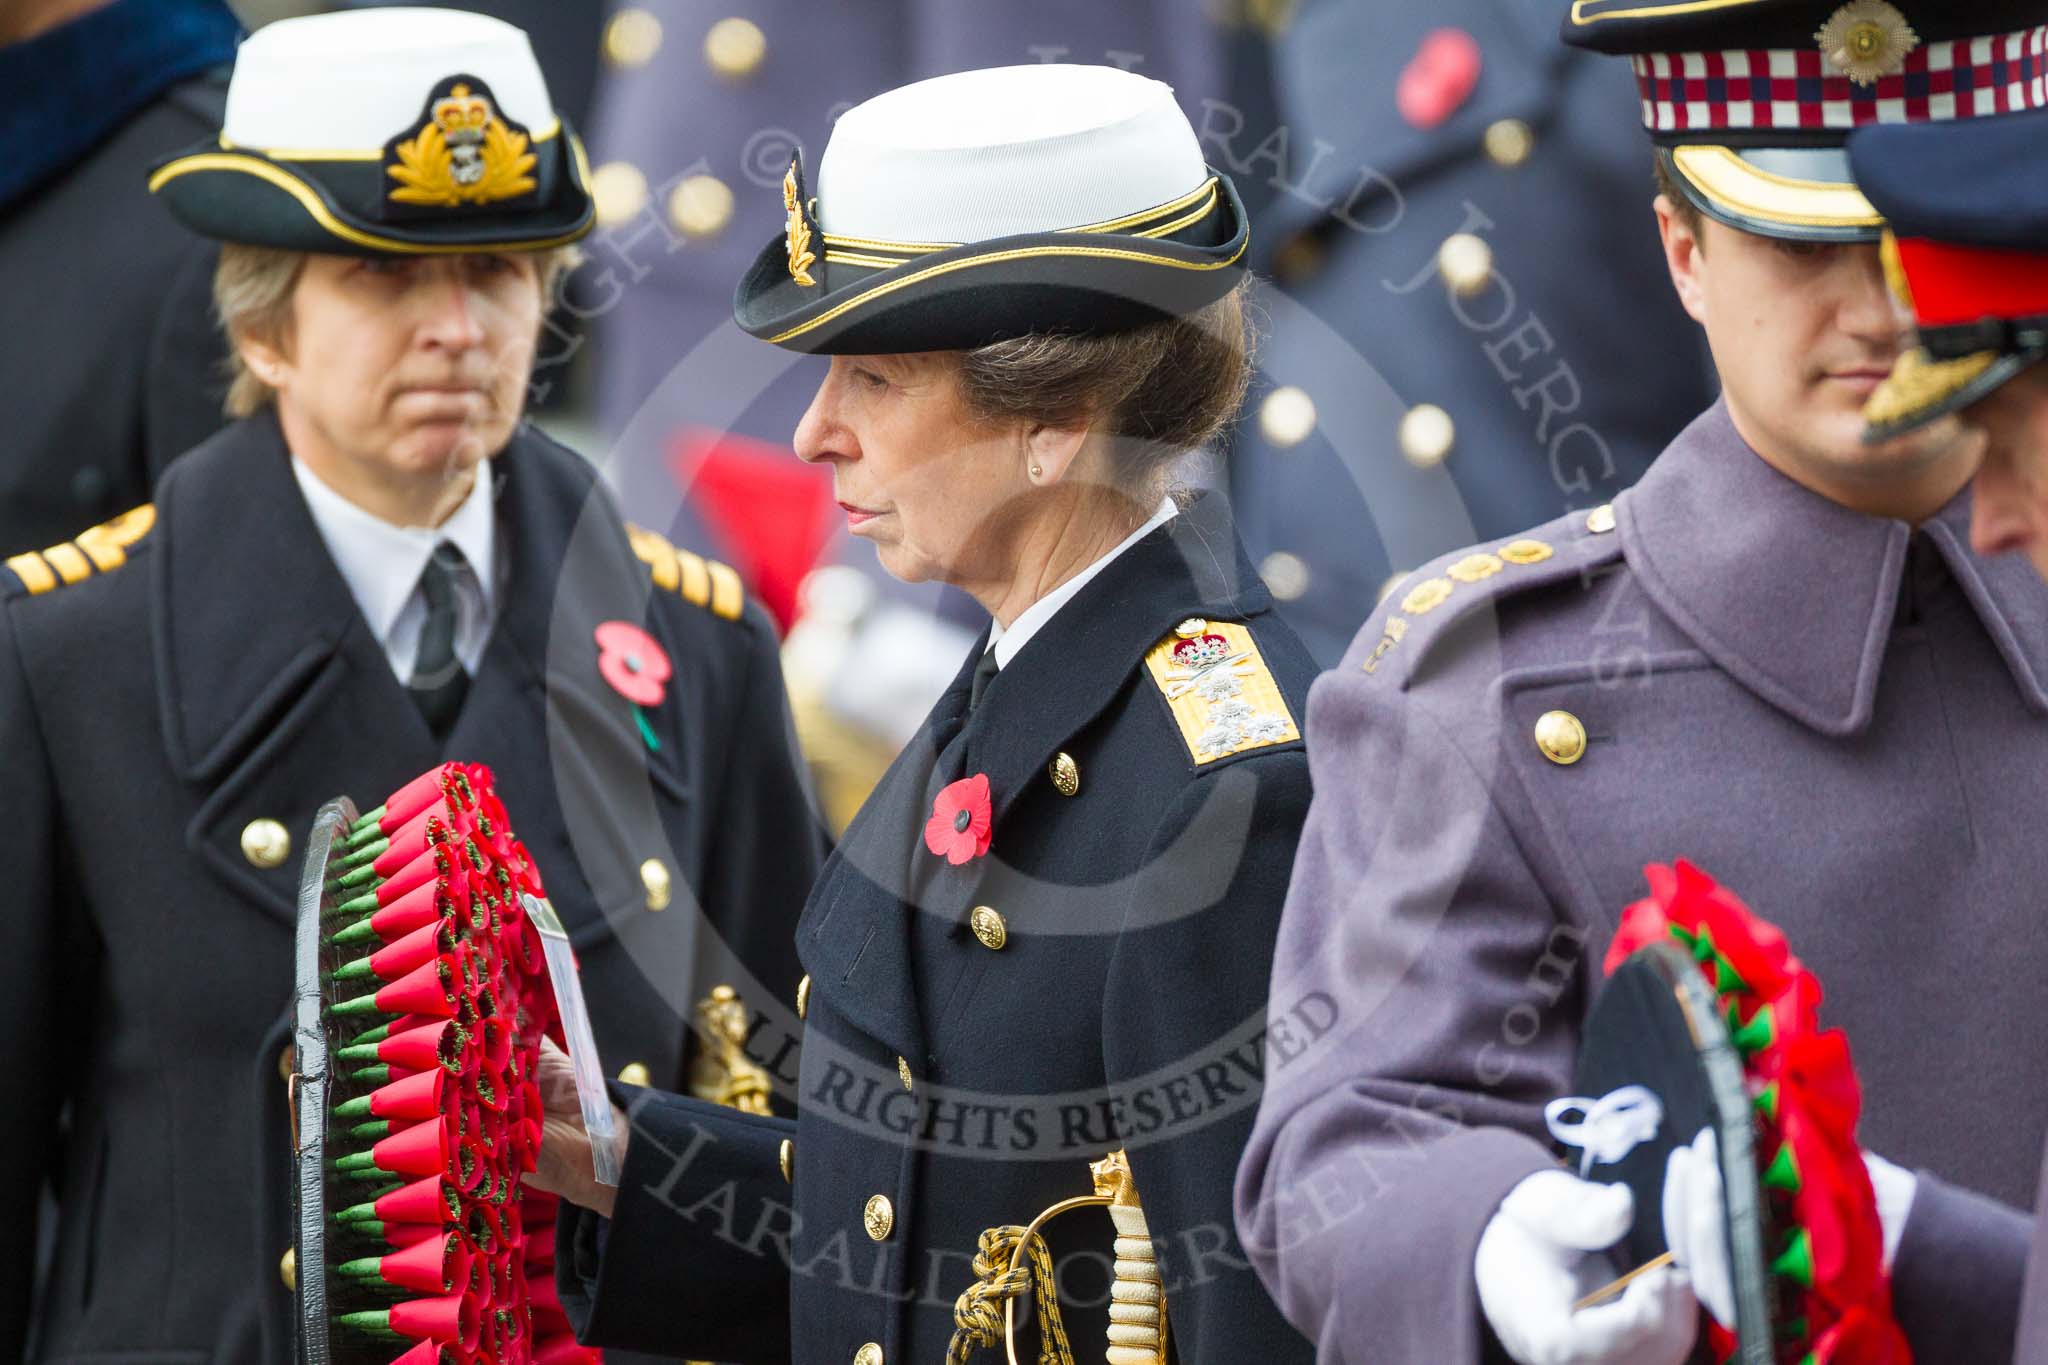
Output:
x=109 y=357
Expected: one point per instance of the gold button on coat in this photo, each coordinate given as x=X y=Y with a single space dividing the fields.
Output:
x=988 y=926
x=632 y=38
x=870 y=1354
x=635 y=1073
x=1287 y=416
x=288 y=1268
x=1427 y=435
x=700 y=206
x=803 y=995
x=1509 y=142
x=654 y=877
x=1466 y=263
x=1561 y=737
x=880 y=1217
x=1601 y=519
x=734 y=47
x=266 y=843
x=1065 y=773
x=786 y=1157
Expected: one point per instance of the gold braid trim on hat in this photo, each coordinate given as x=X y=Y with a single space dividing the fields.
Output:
x=1920 y=382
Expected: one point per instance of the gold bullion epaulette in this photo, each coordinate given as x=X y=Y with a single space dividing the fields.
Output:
x=103 y=549
x=1427 y=605
x=1220 y=691
x=699 y=581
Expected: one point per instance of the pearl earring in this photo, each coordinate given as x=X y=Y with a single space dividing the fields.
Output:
x=1036 y=472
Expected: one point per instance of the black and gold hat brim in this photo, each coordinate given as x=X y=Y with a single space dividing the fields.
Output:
x=875 y=298
x=1800 y=194
x=258 y=198
x=1922 y=390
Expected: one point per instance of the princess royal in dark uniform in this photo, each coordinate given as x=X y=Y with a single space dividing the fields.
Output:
x=1047 y=934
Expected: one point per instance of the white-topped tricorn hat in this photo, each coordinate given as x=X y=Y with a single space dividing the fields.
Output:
x=974 y=207
x=385 y=132
x=1751 y=102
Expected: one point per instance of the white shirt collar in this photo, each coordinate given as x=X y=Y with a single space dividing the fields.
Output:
x=381 y=562
x=1007 y=643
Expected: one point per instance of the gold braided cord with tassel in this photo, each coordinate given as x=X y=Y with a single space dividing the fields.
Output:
x=1012 y=1261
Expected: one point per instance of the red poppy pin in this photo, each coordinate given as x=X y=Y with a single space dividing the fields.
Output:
x=961 y=826
x=637 y=669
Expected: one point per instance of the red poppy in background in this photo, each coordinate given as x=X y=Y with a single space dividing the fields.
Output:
x=961 y=826
x=631 y=661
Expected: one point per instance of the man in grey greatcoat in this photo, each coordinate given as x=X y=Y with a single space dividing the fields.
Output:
x=1776 y=656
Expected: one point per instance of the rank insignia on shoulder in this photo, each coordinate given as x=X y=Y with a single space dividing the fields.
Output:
x=700 y=582
x=1220 y=691
x=102 y=549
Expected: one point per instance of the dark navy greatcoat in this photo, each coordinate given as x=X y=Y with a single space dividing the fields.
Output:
x=976 y=1035
x=216 y=672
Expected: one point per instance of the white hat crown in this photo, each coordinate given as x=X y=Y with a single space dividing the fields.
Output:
x=979 y=155
x=350 y=81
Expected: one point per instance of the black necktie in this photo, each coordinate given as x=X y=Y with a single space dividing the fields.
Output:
x=438 y=679
x=984 y=671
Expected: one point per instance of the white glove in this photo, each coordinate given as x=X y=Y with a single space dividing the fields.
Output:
x=1696 y=1224
x=1540 y=1254
x=1895 y=1186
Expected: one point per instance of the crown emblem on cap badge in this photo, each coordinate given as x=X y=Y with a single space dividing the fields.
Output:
x=797 y=234
x=463 y=153
x=1867 y=40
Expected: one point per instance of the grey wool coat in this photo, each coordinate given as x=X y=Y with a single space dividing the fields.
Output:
x=1841 y=718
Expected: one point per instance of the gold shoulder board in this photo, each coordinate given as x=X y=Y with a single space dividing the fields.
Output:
x=101 y=550
x=1220 y=691
x=700 y=582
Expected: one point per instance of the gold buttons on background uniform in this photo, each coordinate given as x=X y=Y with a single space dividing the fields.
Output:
x=1065 y=774
x=1509 y=143
x=1601 y=519
x=1561 y=737
x=655 y=880
x=988 y=926
x=700 y=206
x=785 y=1156
x=1286 y=575
x=1287 y=416
x=288 y=1269
x=619 y=190
x=879 y=1217
x=870 y=1354
x=266 y=843
x=635 y=1073
x=1466 y=263
x=1427 y=435
x=632 y=38
x=734 y=47
x=803 y=995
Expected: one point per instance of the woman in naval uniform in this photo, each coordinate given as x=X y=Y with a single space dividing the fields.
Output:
x=1047 y=934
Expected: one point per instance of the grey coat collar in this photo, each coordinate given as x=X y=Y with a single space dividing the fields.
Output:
x=1731 y=551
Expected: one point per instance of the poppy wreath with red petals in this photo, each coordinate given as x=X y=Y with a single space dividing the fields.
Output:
x=1824 y=1236
x=961 y=826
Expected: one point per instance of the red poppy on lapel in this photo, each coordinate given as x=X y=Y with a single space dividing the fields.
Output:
x=631 y=661
x=962 y=825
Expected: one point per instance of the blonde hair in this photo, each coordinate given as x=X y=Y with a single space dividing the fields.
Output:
x=252 y=296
